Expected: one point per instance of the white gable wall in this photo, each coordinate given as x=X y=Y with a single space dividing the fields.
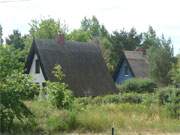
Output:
x=37 y=77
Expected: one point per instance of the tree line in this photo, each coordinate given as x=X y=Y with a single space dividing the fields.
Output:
x=163 y=64
x=16 y=87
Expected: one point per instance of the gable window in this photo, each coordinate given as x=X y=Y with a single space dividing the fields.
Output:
x=126 y=70
x=37 y=66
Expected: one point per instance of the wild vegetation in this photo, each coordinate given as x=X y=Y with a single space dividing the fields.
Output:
x=141 y=105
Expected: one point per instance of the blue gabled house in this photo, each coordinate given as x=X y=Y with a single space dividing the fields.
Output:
x=131 y=64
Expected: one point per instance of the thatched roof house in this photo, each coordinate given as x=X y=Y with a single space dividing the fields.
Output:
x=132 y=64
x=82 y=63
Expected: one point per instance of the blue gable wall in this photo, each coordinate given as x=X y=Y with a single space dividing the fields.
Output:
x=121 y=74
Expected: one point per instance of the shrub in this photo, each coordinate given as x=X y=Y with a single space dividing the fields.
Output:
x=62 y=121
x=137 y=85
x=11 y=108
x=22 y=85
x=13 y=90
x=58 y=93
x=170 y=97
x=120 y=98
x=132 y=98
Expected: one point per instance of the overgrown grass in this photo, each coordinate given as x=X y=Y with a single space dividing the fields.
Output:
x=101 y=118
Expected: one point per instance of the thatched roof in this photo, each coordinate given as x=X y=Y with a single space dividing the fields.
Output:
x=84 y=68
x=137 y=62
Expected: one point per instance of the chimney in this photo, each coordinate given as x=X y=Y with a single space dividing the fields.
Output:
x=141 y=50
x=60 y=39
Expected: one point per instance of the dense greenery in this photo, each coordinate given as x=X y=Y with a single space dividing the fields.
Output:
x=9 y=61
x=46 y=28
x=160 y=59
x=16 y=40
x=140 y=105
x=15 y=88
x=138 y=85
x=171 y=98
x=1 y=34
x=175 y=72
x=100 y=118
x=58 y=93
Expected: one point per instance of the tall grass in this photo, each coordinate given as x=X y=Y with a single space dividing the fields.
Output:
x=101 y=118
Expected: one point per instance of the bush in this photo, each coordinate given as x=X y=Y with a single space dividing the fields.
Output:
x=132 y=98
x=62 y=121
x=22 y=85
x=58 y=93
x=11 y=108
x=138 y=85
x=13 y=90
x=120 y=98
x=170 y=97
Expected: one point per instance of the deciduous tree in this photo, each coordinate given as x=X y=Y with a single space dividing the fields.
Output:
x=15 y=40
x=160 y=59
x=47 y=28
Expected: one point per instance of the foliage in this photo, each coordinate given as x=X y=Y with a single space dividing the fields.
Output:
x=16 y=40
x=171 y=98
x=175 y=72
x=47 y=28
x=62 y=121
x=138 y=85
x=58 y=93
x=100 y=118
x=79 y=35
x=92 y=26
x=13 y=90
x=123 y=40
x=150 y=39
x=90 y=29
x=1 y=34
x=9 y=61
x=134 y=98
x=23 y=85
x=160 y=61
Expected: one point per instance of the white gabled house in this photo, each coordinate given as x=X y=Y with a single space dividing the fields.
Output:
x=82 y=63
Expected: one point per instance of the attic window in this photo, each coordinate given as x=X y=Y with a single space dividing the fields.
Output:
x=37 y=66
x=126 y=71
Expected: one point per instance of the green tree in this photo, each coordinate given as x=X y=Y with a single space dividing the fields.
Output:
x=160 y=59
x=9 y=61
x=150 y=38
x=16 y=40
x=123 y=40
x=47 y=28
x=79 y=35
x=93 y=26
x=1 y=34
x=15 y=88
x=176 y=71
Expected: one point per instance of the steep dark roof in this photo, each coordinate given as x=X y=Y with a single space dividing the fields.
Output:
x=82 y=63
x=137 y=62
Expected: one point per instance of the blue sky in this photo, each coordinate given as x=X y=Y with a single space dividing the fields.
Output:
x=163 y=15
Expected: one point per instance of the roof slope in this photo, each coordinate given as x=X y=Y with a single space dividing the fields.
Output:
x=137 y=62
x=82 y=63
